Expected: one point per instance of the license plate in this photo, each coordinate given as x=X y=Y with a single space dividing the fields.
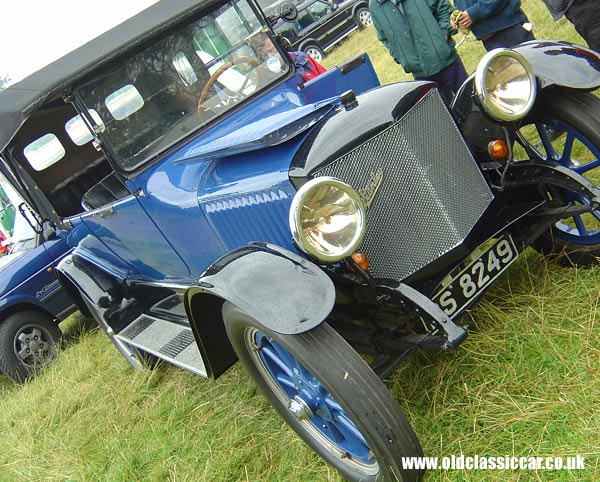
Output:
x=462 y=289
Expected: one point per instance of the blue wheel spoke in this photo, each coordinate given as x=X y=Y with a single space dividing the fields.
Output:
x=582 y=199
x=342 y=421
x=285 y=381
x=289 y=361
x=333 y=405
x=588 y=166
x=580 y=225
x=343 y=432
x=546 y=142
x=567 y=148
x=348 y=427
x=273 y=356
x=332 y=431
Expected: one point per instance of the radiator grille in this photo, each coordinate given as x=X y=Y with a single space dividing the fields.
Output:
x=431 y=194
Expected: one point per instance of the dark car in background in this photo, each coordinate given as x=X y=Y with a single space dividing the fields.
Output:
x=321 y=24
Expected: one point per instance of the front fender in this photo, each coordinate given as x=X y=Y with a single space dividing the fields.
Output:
x=554 y=64
x=562 y=64
x=285 y=292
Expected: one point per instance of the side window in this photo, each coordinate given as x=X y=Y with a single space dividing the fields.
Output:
x=44 y=152
x=184 y=68
x=320 y=9
x=304 y=20
x=78 y=131
x=124 y=102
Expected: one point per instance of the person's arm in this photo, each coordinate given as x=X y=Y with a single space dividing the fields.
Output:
x=556 y=8
x=480 y=10
x=378 y=31
x=442 y=12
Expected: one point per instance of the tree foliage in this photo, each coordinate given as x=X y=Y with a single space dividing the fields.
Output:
x=3 y=81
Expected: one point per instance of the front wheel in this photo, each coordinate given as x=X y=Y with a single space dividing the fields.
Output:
x=565 y=129
x=330 y=397
x=28 y=341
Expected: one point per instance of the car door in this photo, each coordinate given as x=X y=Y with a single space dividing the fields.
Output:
x=125 y=231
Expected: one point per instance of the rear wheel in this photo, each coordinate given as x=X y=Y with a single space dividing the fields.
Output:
x=329 y=396
x=28 y=342
x=314 y=52
x=566 y=130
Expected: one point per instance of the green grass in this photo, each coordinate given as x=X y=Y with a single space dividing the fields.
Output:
x=526 y=382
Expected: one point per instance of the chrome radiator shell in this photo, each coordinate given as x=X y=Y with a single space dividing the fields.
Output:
x=423 y=189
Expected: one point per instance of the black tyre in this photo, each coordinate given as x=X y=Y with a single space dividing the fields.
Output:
x=566 y=129
x=330 y=397
x=314 y=52
x=363 y=18
x=28 y=342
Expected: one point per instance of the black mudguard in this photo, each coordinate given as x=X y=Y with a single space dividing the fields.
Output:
x=88 y=284
x=562 y=64
x=285 y=292
x=555 y=64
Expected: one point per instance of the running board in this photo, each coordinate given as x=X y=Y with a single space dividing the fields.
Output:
x=168 y=341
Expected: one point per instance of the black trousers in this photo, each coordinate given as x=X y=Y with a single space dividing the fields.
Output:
x=449 y=79
x=585 y=17
x=509 y=37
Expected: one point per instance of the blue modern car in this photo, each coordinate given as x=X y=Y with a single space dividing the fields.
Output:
x=220 y=209
x=32 y=301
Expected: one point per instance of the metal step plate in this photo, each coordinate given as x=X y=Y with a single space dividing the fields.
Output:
x=166 y=340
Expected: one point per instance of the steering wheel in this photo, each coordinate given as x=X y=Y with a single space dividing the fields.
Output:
x=227 y=65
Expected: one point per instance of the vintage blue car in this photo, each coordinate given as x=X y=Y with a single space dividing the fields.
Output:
x=220 y=209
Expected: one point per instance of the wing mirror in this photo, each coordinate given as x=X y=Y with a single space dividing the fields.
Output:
x=40 y=226
x=287 y=11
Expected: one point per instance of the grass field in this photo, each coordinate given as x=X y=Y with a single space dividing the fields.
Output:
x=526 y=382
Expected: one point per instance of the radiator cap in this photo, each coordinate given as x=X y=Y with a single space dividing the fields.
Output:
x=348 y=99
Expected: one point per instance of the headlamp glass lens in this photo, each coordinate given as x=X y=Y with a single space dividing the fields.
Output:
x=328 y=219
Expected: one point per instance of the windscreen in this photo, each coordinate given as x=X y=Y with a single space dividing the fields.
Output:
x=182 y=81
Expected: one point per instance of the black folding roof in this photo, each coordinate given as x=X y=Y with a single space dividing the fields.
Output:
x=23 y=98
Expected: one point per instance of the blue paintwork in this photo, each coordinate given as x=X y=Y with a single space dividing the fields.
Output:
x=222 y=189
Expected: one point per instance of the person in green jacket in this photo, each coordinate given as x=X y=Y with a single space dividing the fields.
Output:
x=418 y=35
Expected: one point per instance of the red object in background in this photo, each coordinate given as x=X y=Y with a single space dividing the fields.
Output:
x=3 y=249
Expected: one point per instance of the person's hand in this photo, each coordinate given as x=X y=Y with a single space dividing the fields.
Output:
x=465 y=20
